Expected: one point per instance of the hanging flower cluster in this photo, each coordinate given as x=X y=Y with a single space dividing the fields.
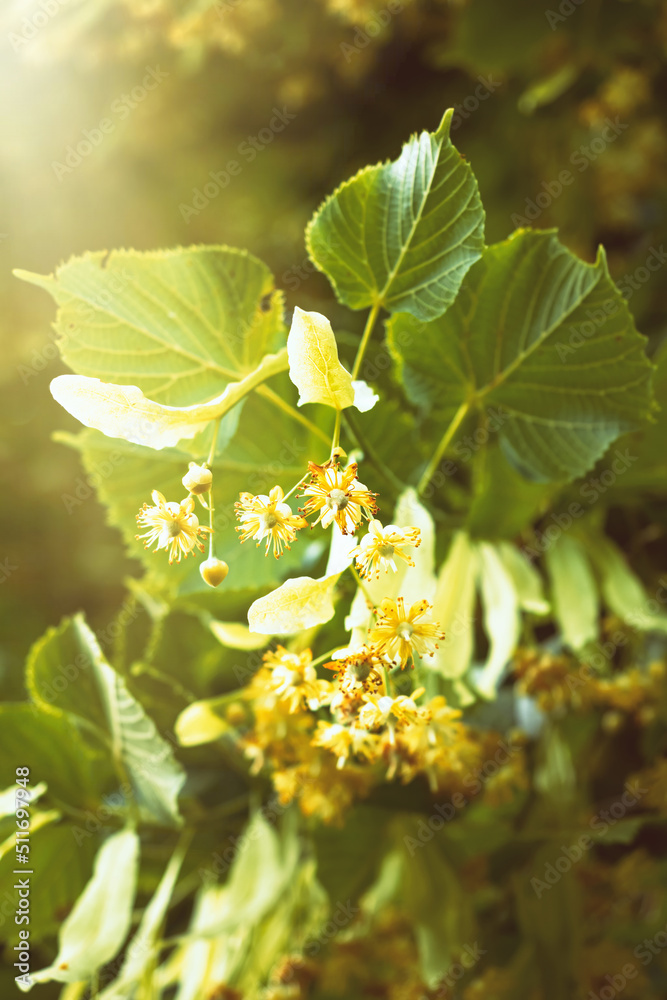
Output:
x=332 y=493
x=328 y=743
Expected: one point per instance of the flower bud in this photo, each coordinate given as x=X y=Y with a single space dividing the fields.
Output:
x=213 y=571
x=197 y=479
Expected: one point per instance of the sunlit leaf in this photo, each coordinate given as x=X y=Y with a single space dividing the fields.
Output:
x=313 y=362
x=123 y=411
x=297 y=604
x=527 y=581
x=179 y=324
x=236 y=635
x=402 y=234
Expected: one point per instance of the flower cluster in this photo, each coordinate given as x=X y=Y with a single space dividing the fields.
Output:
x=175 y=527
x=328 y=743
x=559 y=682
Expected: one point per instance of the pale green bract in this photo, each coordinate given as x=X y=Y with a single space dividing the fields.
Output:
x=100 y=921
x=402 y=234
x=123 y=411
x=574 y=591
x=506 y=343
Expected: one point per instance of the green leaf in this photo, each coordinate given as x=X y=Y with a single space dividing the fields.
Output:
x=416 y=878
x=101 y=695
x=574 y=591
x=505 y=343
x=52 y=746
x=402 y=234
x=639 y=464
x=179 y=324
x=96 y=928
x=204 y=721
x=504 y=502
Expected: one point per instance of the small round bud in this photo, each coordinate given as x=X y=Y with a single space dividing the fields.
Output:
x=213 y=571
x=197 y=479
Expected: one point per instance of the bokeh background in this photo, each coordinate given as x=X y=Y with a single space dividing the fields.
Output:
x=536 y=87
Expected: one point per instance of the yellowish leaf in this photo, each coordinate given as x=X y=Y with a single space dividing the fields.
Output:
x=123 y=411
x=296 y=605
x=454 y=605
x=201 y=723
x=313 y=362
x=236 y=635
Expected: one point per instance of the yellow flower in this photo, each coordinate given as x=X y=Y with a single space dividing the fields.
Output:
x=172 y=526
x=268 y=517
x=339 y=496
x=398 y=635
x=344 y=741
x=356 y=672
x=401 y=711
x=379 y=547
x=292 y=679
